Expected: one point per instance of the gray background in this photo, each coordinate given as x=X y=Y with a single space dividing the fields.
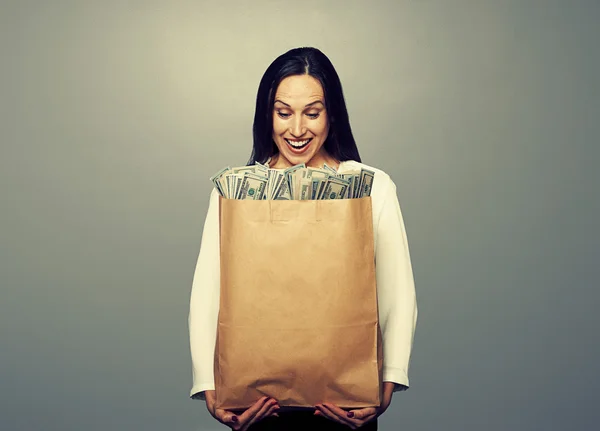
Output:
x=114 y=114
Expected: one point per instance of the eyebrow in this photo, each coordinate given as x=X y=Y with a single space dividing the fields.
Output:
x=309 y=104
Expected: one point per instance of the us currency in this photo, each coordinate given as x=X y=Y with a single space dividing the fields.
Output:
x=305 y=189
x=317 y=173
x=270 y=180
x=283 y=193
x=336 y=188
x=317 y=185
x=298 y=182
x=352 y=190
x=235 y=181
x=261 y=170
x=351 y=177
x=280 y=186
x=355 y=186
x=330 y=169
x=216 y=179
x=278 y=179
x=243 y=169
x=252 y=187
x=290 y=175
x=366 y=182
x=321 y=188
x=228 y=181
x=299 y=177
x=228 y=186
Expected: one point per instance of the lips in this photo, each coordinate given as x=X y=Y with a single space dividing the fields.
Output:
x=298 y=145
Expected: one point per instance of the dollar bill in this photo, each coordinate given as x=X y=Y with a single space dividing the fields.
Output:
x=316 y=187
x=262 y=165
x=317 y=173
x=261 y=170
x=273 y=180
x=366 y=180
x=252 y=187
x=349 y=176
x=305 y=189
x=279 y=181
x=269 y=188
x=283 y=193
x=235 y=181
x=216 y=179
x=243 y=169
x=336 y=188
x=289 y=174
x=330 y=169
x=281 y=186
x=228 y=186
x=299 y=176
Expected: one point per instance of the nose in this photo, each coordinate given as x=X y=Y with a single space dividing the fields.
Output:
x=297 y=128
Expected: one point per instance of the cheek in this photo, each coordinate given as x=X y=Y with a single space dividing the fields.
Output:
x=278 y=127
x=322 y=128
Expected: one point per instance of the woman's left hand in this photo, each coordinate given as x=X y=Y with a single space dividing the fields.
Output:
x=356 y=418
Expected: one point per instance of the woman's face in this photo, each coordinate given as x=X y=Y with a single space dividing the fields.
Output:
x=300 y=123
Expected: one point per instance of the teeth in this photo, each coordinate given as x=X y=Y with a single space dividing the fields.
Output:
x=298 y=143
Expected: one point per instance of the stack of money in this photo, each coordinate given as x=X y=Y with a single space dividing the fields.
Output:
x=259 y=182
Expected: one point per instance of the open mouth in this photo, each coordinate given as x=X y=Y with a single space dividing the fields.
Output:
x=298 y=145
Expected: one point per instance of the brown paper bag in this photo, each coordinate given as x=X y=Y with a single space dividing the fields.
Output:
x=298 y=318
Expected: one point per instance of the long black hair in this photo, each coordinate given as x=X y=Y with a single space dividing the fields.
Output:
x=340 y=143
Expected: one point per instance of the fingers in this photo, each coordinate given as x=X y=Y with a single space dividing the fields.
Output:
x=267 y=409
x=329 y=414
x=362 y=414
x=226 y=417
x=262 y=405
x=359 y=416
x=273 y=410
x=252 y=411
x=262 y=408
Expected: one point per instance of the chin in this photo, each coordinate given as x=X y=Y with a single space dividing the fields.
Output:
x=297 y=159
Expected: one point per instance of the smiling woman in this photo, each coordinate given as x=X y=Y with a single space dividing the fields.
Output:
x=300 y=123
x=300 y=98
x=301 y=117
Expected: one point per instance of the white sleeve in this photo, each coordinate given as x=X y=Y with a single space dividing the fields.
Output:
x=204 y=303
x=395 y=290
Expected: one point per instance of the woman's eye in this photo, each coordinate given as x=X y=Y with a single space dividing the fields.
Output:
x=283 y=115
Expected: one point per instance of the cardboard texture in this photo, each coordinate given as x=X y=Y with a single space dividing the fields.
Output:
x=298 y=318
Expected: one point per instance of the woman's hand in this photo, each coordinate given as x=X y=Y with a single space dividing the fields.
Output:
x=261 y=409
x=356 y=418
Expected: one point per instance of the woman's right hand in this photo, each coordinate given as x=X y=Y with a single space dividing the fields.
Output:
x=241 y=422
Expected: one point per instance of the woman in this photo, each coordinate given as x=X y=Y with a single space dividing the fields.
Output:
x=301 y=117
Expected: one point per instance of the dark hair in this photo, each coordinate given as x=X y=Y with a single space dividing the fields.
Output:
x=340 y=143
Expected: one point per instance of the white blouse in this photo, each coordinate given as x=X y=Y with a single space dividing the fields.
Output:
x=396 y=296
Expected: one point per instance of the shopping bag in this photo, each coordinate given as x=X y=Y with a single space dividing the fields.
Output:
x=298 y=318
